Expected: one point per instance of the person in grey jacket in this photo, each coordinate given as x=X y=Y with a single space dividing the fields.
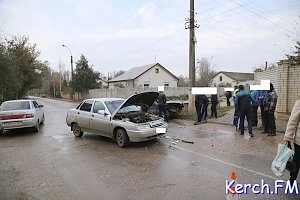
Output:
x=292 y=134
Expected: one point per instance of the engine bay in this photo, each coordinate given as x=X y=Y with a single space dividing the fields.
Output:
x=136 y=117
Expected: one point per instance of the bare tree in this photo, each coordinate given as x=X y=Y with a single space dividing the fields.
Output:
x=205 y=72
x=183 y=81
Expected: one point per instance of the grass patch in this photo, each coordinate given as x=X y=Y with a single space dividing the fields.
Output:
x=223 y=110
x=186 y=116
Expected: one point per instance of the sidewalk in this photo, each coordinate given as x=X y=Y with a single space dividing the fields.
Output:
x=228 y=120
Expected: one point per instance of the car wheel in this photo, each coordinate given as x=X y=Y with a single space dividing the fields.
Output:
x=1 y=131
x=77 y=130
x=37 y=127
x=43 y=120
x=122 y=138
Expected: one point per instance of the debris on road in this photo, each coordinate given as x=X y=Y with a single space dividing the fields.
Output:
x=187 y=141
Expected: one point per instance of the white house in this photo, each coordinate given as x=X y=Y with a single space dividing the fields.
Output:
x=148 y=76
x=230 y=79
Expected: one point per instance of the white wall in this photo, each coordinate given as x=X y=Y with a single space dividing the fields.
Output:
x=156 y=79
x=225 y=79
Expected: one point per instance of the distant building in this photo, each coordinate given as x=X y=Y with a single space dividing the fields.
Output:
x=104 y=84
x=230 y=79
x=148 y=76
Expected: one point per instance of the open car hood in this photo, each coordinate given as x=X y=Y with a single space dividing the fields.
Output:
x=145 y=98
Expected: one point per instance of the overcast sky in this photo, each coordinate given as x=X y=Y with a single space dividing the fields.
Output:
x=237 y=35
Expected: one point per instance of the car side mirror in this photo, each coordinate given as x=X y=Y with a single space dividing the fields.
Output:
x=40 y=106
x=102 y=112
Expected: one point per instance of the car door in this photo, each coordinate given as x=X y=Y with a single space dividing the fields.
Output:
x=83 y=114
x=38 y=110
x=99 y=122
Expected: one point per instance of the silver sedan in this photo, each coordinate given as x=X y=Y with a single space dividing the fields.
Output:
x=123 y=120
x=17 y=114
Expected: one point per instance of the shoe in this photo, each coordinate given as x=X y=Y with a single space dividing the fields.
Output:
x=251 y=135
x=260 y=128
x=272 y=134
x=241 y=133
x=264 y=132
x=196 y=123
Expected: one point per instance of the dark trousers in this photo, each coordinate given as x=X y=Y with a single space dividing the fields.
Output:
x=270 y=122
x=214 y=110
x=198 y=110
x=228 y=101
x=297 y=161
x=263 y=116
x=254 y=115
x=204 y=111
x=236 y=116
x=248 y=114
x=162 y=109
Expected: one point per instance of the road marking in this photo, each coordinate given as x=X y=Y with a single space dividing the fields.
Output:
x=227 y=163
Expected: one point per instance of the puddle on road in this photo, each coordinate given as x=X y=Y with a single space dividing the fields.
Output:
x=214 y=133
x=58 y=137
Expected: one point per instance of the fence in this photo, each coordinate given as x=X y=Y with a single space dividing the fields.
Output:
x=126 y=92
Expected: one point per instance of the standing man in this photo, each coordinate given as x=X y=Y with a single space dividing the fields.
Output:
x=214 y=102
x=161 y=100
x=270 y=102
x=198 y=106
x=255 y=94
x=261 y=95
x=228 y=96
x=292 y=135
x=205 y=103
x=243 y=101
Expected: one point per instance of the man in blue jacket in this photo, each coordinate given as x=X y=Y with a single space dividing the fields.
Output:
x=255 y=105
x=244 y=101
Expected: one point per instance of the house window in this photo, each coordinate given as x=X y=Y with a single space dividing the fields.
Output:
x=166 y=85
x=156 y=70
x=146 y=85
x=221 y=78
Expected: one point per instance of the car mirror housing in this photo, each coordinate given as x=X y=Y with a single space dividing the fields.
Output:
x=102 y=112
x=41 y=106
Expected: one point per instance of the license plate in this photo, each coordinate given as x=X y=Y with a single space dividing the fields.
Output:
x=12 y=124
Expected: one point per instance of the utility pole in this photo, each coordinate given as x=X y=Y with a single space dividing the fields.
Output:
x=191 y=24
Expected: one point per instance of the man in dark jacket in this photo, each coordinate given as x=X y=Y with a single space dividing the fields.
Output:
x=214 y=102
x=228 y=96
x=255 y=94
x=205 y=103
x=270 y=102
x=244 y=102
x=198 y=106
x=161 y=100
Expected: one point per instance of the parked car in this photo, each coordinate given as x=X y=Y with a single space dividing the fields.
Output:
x=119 y=119
x=17 y=114
x=172 y=108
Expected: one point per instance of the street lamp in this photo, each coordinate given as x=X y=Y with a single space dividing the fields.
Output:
x=72 y=75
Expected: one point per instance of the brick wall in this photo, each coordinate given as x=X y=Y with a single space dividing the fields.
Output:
x=286 y=81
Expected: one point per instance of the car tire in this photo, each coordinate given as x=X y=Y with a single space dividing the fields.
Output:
x=1 y=131
x=77 y=130
x=43 y=120
x=37 y=127
x=122 y=138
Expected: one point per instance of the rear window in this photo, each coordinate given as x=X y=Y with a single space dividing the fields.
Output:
x=15 y=105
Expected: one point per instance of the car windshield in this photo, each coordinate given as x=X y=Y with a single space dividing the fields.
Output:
x=131 y=108
x=113 y=105
x=15 y=105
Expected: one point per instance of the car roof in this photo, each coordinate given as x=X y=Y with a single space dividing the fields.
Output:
x=104 y=99
x=18 y=100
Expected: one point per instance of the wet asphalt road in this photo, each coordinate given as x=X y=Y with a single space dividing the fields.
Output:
x=53 y=164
